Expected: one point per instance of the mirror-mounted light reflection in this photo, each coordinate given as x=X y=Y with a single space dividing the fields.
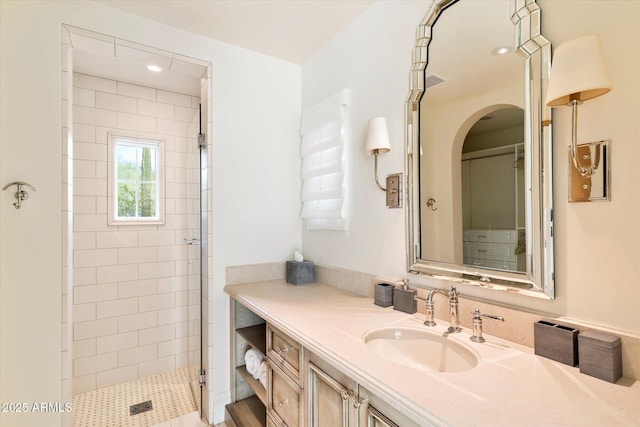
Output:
x=501 y=50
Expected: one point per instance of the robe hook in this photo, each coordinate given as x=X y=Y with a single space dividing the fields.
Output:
x=21 y=194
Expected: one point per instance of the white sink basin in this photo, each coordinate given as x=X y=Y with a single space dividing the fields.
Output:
x=421 y=349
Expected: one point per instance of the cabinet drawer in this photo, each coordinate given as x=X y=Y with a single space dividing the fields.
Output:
x=285 y=353
x=284 y=398
x=494 y=236
x=490 y=251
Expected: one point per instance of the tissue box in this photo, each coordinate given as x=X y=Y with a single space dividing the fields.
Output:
x=600 y=355
x=383 y=295
x=299 y=272
x=556 y=342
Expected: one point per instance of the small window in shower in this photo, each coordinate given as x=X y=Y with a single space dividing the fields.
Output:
x=136 y=187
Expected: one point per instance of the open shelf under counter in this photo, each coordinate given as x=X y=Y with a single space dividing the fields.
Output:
x=256 y=336
x=257 y=387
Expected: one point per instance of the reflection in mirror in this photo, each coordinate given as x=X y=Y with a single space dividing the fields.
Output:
x=493 y=220
x=479 y=148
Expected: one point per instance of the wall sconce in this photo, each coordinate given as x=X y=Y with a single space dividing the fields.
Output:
x=377 y=143
x=579 y=73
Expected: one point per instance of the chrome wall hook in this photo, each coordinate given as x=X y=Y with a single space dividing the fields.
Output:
x=21 y=194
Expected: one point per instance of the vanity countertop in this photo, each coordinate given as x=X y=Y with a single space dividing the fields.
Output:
x=511 y=386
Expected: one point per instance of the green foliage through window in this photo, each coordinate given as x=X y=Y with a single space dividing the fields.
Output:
x=137 y=179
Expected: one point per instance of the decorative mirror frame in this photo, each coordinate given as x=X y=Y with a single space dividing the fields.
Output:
x=538 y=280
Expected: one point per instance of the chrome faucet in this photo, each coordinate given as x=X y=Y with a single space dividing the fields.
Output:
x=454 y=317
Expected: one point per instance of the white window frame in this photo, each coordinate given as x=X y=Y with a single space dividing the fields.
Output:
x=116 y=140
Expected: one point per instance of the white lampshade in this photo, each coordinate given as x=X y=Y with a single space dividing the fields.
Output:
x=578 y=71
x=378 y=136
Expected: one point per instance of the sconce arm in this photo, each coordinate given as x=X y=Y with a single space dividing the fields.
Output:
x=375 y=172
x=583 y=171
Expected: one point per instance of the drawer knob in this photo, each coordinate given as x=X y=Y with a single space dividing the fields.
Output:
x=282 y=350
x=281 y=403
x=346 y=394
x=358 y=402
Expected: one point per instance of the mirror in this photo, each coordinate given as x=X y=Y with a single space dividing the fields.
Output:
x=480 y=206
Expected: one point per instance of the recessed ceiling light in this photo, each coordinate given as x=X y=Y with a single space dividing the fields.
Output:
x=154 y=68
x=501 y=50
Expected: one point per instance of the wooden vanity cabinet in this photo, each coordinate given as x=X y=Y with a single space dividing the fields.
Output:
x=376 y=418
x=271 y=423
x=248 y=395
x=302 y=389
x=332 y=397
x=336 y=400
x=379 y=413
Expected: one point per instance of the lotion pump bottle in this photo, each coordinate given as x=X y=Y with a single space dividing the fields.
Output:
x=403 y=298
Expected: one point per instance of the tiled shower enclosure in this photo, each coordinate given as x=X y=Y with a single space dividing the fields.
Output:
x=132 y=296
x=134 y=285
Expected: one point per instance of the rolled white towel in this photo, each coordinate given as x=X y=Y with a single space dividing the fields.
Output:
x=252 y=361
x=263 y=373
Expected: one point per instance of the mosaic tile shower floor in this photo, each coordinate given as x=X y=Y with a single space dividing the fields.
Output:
x=169 y=392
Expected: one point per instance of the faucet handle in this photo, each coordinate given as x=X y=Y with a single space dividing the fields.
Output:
x=453 y=294
x=477 y=313
x=477 y=324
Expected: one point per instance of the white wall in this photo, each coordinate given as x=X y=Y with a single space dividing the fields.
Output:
x=597 y=245
x=255 y=112
x=372 y=58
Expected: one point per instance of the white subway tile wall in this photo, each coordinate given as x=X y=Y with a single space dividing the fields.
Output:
x=133 y=286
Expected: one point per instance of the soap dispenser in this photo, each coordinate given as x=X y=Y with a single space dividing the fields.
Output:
x=403 y=298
